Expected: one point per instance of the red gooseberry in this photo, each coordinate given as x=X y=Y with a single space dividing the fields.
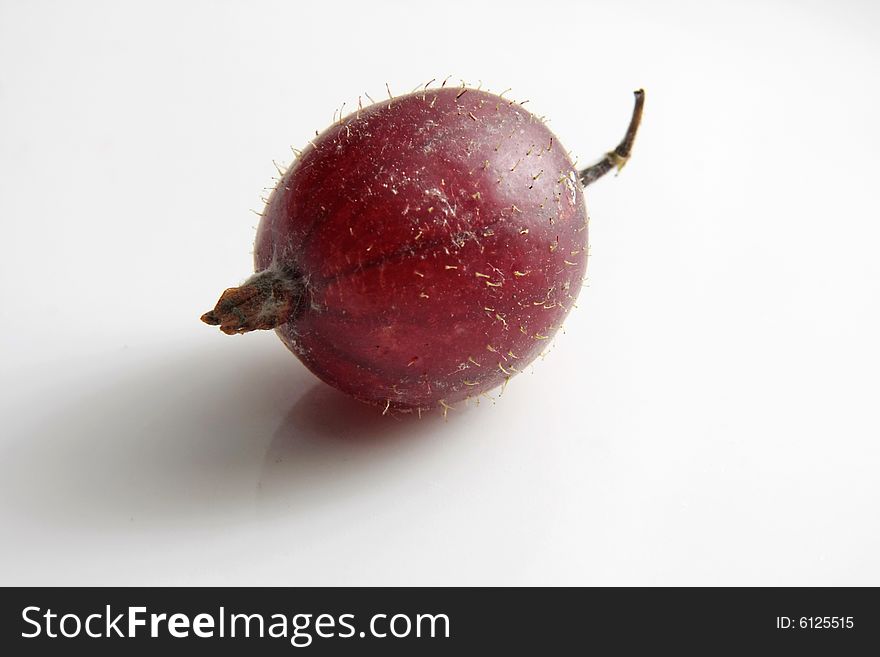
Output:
x=422 y=250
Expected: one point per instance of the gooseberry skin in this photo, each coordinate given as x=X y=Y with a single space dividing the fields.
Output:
x=442 y=236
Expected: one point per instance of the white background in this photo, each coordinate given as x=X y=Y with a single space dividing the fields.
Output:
x=710 y=415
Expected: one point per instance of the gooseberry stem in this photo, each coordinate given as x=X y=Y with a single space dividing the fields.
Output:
x=620 y=155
